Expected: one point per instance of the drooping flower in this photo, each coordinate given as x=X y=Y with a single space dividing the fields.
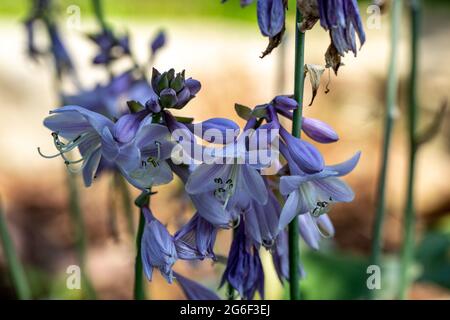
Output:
x=261 y=221
x=194 y=290
x=313 y=228
x=244 y=270
x=157 y=248
x=195 y=240
x=342 y=19
x=280 y=257
x=314 y=193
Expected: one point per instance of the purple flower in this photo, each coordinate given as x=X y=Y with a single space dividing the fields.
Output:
x=280 y=257
x=215 y=130
x=314 y=193
x=312 y=229
x=301 y=153
x=261 y=221
x=158 y=42
x=157 y=248
x=110 y=46
x=342 y=19
x=195 y=240
x=271 y=16
x=194 y=290
x=133 y=143
x=244 y=270
x=319 y=131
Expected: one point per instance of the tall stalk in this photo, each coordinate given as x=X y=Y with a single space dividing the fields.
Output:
x=391 y=99
x=294 y=249
x=413 y=114
x=139 y=290
x=16 y=269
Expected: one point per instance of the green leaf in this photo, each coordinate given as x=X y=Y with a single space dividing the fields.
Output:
x=135 y=106
x=243 y=111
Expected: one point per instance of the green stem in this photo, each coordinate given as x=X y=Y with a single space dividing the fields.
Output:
x=80 y=233
x=139 y=290
x=413 y=114
x=14 y=265
x=392 y=88
x=294 y=245
x=98 y=11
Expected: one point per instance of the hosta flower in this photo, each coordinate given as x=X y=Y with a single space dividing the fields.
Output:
x=133 y=143
x=207 y=205
x=173 y=90
x=233 y=180
x=313 y=228
x=110 y=46
x=271 y=16
x=342 y=19
x=195 y=240
x=315 y=193
x=261 y=221
x=244 y=270
x=280 y=257
x=194 y=290
x=157 y=248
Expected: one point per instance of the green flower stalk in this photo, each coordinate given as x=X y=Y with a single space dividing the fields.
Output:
x=413 y=115
x=392 y=88
x=294 y=248
x=15 y=267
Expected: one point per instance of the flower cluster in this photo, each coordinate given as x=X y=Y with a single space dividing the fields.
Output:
x=128 y=125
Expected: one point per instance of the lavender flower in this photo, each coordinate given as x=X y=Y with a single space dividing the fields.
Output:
x=280 y=257
x=157 y=248
x=342 y=19
x=314 y=193
x=261 y=221
x=195 y=240
x=244 y=270
x=271 y=16
x=133 y=143
x=313 y=228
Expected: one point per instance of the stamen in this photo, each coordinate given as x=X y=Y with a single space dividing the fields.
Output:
x=235 y=223
x=268 y=243
x=47 y=156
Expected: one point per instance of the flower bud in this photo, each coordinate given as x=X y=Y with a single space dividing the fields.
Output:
x=319 y=131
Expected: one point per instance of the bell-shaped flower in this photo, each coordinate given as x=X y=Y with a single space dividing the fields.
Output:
x=231 y=173
x=315 y=193
x=342 y=19
x=244 y=270
x=280 y=257
x=302 y=153
x=195 y=240
x=81 y=128
x=194 y=290
x=313 y=228
x=261 y=221
x=271 y=16
x=157 y=248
